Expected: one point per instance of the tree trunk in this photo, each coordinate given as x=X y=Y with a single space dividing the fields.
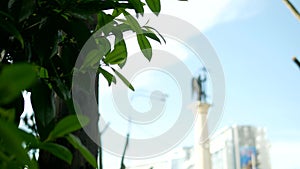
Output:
x=48 y=161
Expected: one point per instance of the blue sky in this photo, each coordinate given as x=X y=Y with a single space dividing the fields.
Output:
x=262 y=82
x=255 y=42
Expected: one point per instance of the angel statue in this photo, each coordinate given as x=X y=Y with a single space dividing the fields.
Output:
x=198 y=87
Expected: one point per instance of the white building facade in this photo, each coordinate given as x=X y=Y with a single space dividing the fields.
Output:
x=240 y=147
x=236 y=147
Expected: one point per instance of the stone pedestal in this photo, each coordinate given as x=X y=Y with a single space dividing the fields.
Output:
x=201 y=145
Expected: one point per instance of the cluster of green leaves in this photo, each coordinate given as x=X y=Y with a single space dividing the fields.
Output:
x=15 y=143
x=116 y=54
x=40 y=42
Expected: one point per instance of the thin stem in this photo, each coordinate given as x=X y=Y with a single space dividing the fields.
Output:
x=124 y=151
x=292 y=9
x=296 y=61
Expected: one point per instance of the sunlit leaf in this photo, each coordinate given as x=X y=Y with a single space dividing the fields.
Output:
x=118 y=55
x=116 y=12
x=151 y=35
x=137 y=5
x=151 y=28
x=42 y=72
x=125 y=81
x=108 y=76
x=135 y=26
x=105 y=21
x=154 y=6
x=122 y=64
x=145 y=46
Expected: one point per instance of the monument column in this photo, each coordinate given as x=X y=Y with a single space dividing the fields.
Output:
x=201 y=145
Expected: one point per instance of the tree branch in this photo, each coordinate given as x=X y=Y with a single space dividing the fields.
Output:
x=292 y=9
x=296 y=61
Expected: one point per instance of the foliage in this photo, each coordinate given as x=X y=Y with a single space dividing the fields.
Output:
x=16 y=144
x=40 y=43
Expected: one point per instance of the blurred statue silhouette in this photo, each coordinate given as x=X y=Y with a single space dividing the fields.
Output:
x=198 y=86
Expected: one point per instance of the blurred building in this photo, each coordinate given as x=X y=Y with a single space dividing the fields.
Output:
x=236 y=147
x=178 y=159
x=240 y=147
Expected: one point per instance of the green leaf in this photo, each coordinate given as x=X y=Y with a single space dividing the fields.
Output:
x=137 y=5
x=145 y=46
x=14 y=79
x=58 y=150
x=90 y=7
x=116 y=12
x=11 y=145
x=125 y=81
x=151 y=35
x=135 y=26
x=6 y=15
x=151 y=28
x=154 y=6
x=122 y=64
x=117 y=33
x=75 y=141
x=42 y=72
x=26 y=9
x=67 y=125
x=43 y=107
x=78 y=29
x=60 y=88
x=10 y=28
x=124 y=27
x=108 y=76
x=7 y=114
x=104 y=45
x=105 y=21
x=92 y=60
x=118 y=55
x=30 y=140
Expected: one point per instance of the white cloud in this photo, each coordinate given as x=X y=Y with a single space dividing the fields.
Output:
x=206 y=13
